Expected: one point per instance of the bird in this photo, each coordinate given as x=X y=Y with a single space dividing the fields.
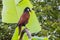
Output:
x=24 y=18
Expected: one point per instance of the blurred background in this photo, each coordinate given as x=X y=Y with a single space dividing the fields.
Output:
x=48 y=14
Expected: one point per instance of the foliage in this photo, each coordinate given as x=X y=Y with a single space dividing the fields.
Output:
x=48 y=14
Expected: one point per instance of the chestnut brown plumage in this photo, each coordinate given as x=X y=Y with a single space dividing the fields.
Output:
x=24 y=18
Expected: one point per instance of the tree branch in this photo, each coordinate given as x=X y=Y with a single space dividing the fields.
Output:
x=28 y=34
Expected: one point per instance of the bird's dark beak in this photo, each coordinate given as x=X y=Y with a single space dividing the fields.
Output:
x=30 y=10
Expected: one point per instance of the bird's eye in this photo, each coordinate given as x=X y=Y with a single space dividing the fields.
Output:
x=27 y=9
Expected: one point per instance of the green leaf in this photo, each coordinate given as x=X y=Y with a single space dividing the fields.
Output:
x=15 y=35
x=33 y=22
x=25 y=37
x=11 y=14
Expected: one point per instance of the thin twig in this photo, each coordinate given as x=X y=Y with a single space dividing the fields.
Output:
x=28 y=34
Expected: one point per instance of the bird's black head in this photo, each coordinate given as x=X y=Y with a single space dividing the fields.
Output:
x=27 y=9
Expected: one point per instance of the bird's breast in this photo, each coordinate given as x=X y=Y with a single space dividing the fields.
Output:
x=27 y=15
x=24 y=19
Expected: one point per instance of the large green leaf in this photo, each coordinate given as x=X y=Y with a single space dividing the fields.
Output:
x=12 y=12
x=9 y=13
x=33 y=22
x=15 y=36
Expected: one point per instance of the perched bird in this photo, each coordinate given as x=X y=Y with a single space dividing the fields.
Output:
x=24 y=18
